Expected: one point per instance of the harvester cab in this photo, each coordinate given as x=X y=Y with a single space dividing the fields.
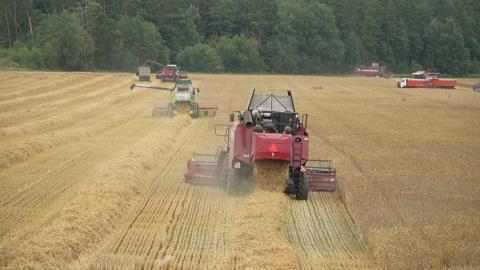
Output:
x=183 y=100
x=269 y=129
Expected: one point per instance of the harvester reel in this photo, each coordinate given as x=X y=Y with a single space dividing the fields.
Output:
x=163 y=111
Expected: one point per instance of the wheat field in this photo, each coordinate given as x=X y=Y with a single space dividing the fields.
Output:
x=90 y=180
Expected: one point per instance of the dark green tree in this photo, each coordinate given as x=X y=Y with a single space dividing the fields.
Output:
x=72 y=46
x=105 y=36
x=306 y=39
x=445 y=48
x=200 y=57
x=140 y=41
x=240 y=54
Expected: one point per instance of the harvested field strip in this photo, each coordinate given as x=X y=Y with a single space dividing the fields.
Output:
x=39 y=87
x=24 y=194
x=21 y=151
x=57 y=120
x=20 y=81
x=81 y=86
x=178 y=223
x=323 y=233
x=10 y=77
x=259 y=224
x=156 y=205
x=258 y=236
x=29 y=221
x=90 y=215
x=28 y=113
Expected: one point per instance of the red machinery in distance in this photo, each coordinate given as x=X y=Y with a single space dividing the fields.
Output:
x=423 y=79
x=268 y=129
x=374 y=70
x=171 y=73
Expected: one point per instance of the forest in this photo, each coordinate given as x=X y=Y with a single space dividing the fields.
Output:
x=245 y=36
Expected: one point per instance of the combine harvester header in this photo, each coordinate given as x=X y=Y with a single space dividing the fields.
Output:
x=269 y=131
x=183 y=99
x=423 y=79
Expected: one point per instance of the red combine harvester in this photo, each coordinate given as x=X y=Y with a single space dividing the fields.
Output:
x=270 y=130
x=423 y=79
x=374 y=70
x=169 y=73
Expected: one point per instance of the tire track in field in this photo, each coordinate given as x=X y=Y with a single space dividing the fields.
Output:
x=52 y=94
x=57 y=120
x=43 y=110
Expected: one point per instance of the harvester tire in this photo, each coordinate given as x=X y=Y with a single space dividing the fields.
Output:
x=170 y=110
x=195 y=112
x=303 y=187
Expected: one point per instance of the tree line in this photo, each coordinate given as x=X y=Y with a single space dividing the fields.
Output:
x=281 y=36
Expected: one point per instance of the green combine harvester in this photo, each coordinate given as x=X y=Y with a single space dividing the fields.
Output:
x=183 y=100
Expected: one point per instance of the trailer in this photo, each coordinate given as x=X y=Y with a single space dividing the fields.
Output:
x=476 y=87
x=423 y=79
x=143 y=73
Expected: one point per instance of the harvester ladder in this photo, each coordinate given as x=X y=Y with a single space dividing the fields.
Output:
x=297 y=152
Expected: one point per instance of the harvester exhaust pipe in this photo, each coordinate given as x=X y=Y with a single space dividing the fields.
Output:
x=247 y=119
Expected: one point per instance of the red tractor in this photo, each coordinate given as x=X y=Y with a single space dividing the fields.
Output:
x=269 y=129
x=171 y=73
x=374 y=70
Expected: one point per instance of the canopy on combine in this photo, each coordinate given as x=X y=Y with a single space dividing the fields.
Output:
x=272 y=103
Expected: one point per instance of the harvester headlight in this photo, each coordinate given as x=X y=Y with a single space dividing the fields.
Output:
x=288 y=129
x=258 y=128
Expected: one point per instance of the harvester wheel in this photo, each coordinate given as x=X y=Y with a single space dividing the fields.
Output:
x=303 y=187
x=240 y=181
x=170 y=110
x=195 y=112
